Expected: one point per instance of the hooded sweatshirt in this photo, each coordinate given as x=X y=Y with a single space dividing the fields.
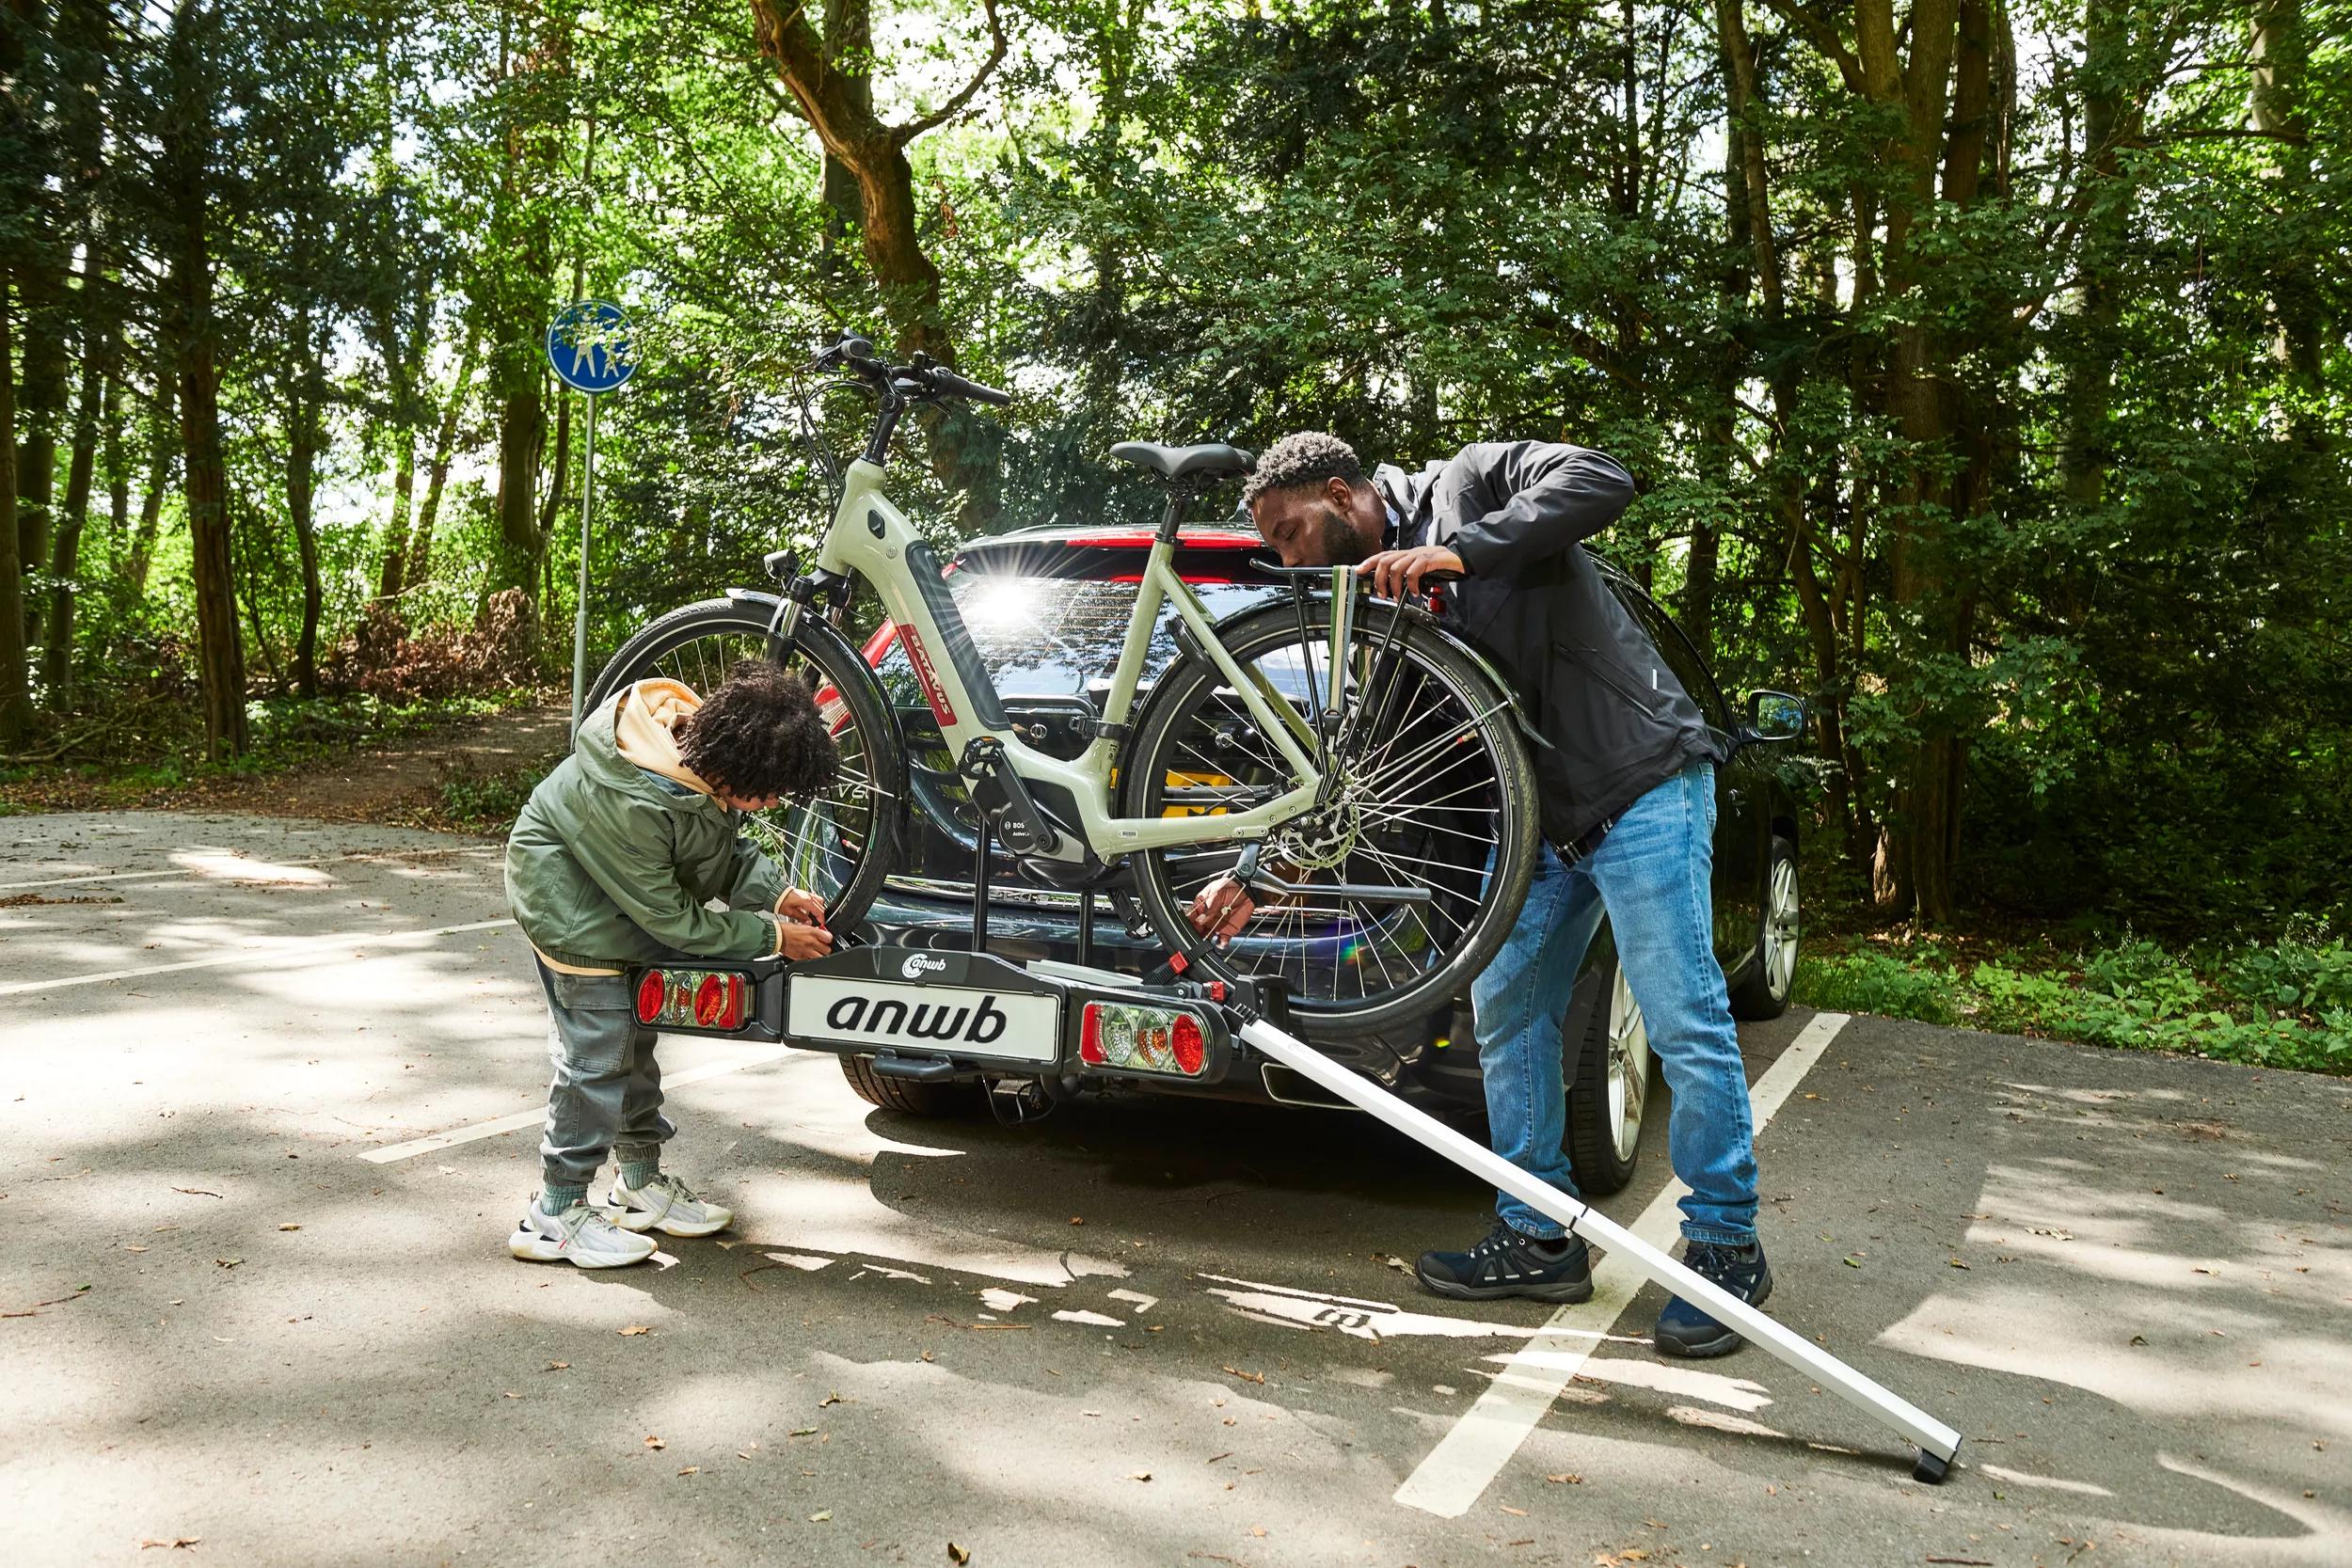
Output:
x=620 y=849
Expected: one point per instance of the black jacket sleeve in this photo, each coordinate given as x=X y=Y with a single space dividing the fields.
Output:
x=1549 y=496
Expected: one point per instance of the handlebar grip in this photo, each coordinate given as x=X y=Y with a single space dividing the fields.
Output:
x=948 y=381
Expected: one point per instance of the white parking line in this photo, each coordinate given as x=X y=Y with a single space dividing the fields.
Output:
x=291 y=950
x=522 y=1119
x=1474 y=1450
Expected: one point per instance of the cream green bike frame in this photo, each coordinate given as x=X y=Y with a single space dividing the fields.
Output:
x=872 y=538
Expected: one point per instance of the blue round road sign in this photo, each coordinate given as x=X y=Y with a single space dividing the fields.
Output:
x=589 y=346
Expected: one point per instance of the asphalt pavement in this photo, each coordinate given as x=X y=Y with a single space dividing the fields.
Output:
x=268 y=1093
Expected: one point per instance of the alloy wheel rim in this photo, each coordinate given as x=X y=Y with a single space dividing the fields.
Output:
x=1780 y=929
x=1629 y=1067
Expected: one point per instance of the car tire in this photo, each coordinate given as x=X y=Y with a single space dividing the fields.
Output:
x=1770 y=975
x=943 y=1102
x=1611 y=1083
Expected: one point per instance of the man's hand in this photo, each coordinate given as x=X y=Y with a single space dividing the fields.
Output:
x=1397 y=574
x=1221 y=909
x=806 y=907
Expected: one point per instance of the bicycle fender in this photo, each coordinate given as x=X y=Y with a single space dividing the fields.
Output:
x=814 y=629
x=1436 y=627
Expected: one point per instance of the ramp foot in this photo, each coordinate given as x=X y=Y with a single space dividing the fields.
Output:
x=1933 y=1467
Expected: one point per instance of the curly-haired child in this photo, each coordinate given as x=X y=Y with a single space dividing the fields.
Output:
x=616 y=860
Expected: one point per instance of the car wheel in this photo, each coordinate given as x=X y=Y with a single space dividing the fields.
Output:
x=1763 y=991
x=942 y=1101
x=1610 y=1084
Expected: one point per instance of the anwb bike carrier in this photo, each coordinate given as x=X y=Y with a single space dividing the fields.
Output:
x=932 y=1016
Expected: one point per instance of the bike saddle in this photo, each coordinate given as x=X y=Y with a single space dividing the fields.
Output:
x=1214 y=460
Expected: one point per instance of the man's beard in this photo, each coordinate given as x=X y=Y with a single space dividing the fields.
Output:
x=1340 y=542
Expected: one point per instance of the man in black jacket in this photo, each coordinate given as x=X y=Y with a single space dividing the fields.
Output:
x=1628 y=815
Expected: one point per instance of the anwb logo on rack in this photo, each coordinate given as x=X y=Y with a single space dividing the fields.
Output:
x=947 y=1018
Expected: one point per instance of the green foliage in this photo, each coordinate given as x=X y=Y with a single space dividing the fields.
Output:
x=470 y=799
x=2285 y=1004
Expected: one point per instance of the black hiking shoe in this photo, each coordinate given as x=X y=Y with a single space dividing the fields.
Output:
x=1509 y=1263
x=1686 y=1330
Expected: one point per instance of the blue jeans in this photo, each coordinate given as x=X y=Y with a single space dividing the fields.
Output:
x=1652 y=875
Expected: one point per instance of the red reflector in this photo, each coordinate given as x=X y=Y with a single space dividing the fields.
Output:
x=1090 y=1037
x=1190 y=1048
x=650 y=993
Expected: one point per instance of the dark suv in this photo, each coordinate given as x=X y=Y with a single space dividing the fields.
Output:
x=1048 y=609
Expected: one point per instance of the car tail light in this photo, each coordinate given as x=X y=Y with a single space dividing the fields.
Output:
x=1131 y=1038
x=691 y=999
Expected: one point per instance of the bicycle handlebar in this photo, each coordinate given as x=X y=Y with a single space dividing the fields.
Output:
x=922 y=379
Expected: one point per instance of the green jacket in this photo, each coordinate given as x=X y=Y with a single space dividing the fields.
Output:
x=610 y=864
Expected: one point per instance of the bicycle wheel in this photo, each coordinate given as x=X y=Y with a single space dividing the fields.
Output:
x=1433 y=796
x=842 y=842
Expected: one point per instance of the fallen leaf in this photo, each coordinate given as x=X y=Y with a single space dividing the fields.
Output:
x=558 y=1365
x=821 y=1516
x=508 y=1392
x=192 y=1192
x=1519 y=1511
x=1213 y=1458
x=1851 y=1261
x=653 y=1442
x=2140 y=1339
x=290 y=1228
x=2202 y=1269
x=175 y=1541
x=957 y=1554
x=741 y=1454
x=635 y=1328
x=803 y=1431
x=1565 y=1480
x=1139 y=1475
x=691 y=1471
x=228 y=1262
x=1076 y=1219
x=831 y=1398
x=1245 y=1377
x=1957 y=1264
x=927 y=1355
x=128 y=1247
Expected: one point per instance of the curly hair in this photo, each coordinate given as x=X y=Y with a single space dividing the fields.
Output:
x=1309 y=457
x=759 y=734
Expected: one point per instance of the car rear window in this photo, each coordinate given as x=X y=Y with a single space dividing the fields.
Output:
x=1049 y=635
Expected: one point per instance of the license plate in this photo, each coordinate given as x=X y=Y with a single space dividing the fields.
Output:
x=829 y=1010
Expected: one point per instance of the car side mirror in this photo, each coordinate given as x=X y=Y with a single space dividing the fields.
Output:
x=1775 y=716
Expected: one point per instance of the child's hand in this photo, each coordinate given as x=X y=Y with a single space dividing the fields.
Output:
x=804 y=941
x=804 y=907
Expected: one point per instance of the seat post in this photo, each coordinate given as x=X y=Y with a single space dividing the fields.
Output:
x=1172 y=515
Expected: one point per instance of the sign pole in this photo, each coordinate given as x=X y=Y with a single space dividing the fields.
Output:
x=579 y=619
x=590 y=350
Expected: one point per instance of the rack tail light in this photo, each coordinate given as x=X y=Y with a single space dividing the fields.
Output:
x=1125 y=1037
x=692 y=999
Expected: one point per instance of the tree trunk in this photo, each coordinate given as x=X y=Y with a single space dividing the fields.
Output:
x=194 y=335
x=838 y=105
x=40 y=413
x=2082 y=447
x=436 y=473
x=151 y=498
x=2275 y=108
x=65 y=569
x=302 y=444
x=16 y=708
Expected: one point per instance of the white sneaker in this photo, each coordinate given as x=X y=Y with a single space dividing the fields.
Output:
x=579 y=1235
x=665 y=1204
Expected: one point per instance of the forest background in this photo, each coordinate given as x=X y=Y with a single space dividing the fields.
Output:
x=1982 y=365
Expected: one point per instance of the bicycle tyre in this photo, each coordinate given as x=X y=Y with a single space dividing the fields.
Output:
x=869 y=797
x=1163 y=750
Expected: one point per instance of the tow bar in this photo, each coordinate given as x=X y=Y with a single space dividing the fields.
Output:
x=1938 y=1443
